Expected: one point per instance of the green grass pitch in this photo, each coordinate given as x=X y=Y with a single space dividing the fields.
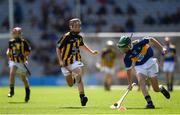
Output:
x=64 y=100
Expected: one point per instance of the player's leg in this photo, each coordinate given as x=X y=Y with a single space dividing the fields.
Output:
x=171 y=75
x=159 y=88
x=13 y=69
x=171 y=81
x=167 y=68
x=108 y=82
x=148 y=83
x=70 y=80
x=167 y=80
x=142 y=81
x=26 y=85
x=83 y=98
x=68 y=75
x=153 y=70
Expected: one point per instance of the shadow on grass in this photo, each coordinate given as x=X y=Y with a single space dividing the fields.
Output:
x=16 y=102
x=141 y=108
x=71 y=107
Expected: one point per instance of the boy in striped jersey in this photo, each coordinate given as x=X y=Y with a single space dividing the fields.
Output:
x=68 y=52
x=18 y=52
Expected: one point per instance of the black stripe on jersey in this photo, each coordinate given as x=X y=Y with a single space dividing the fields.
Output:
x=70 y=55
x=76 y=58
x=63 y=53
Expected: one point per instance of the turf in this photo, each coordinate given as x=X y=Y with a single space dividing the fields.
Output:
x=64 y=100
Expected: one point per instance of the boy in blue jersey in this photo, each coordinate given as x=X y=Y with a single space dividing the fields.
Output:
x=169 y=63
x=139 y=54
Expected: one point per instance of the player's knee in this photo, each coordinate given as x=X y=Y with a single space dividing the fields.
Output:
x=78 y=78
x=69 y=80
x=70 y=84
x=156 y=89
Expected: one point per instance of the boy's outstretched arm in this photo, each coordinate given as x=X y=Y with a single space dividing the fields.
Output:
x=129 y=78
x=158 y=45
x=86 y=48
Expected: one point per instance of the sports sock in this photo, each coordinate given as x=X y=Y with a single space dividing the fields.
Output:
x=81 y=95
x=148 y=99
x=168 y=87
x=12 y=88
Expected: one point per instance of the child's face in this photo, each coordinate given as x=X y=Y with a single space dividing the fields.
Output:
x=76 y=27
x=126 y=49
x=16 y=35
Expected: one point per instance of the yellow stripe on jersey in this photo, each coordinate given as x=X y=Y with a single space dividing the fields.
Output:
x=143 y=52
x=67 y=52
x=64 y=37
x=134 y=59
x=144 y=49
x=74 y=56
x=69 y=60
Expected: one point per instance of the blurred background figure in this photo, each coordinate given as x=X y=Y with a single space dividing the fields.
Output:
x=107 y=64
x=18 y=52
x=169 y=63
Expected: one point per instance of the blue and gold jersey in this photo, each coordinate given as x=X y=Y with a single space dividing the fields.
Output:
x=171 y=53
x=139 y=54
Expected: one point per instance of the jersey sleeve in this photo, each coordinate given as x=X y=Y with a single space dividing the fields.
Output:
x=61 y=42
x=27 y=47
x=144 y=41
x=174 y=50
x=103 y=53
x=81 y=41
x=9 y=45
x=127 y=62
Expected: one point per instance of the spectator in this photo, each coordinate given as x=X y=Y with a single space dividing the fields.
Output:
x=117 y=10
x=33 y=19
x=45 y=14
x=129 y=25
x=117 y=28
x=102 y=10
x=18 y=13
x=149 y=20
x=5 y=23
x=131 y=10
x=102 y=2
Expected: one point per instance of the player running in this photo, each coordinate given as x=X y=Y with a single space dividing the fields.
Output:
x=18 y=53
x=68 y=52
x=107 y=64
x=140 y=55
x=169 y=63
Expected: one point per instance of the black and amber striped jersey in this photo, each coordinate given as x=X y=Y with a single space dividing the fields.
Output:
x=108 y=57
x=17 y=49
x=69 y=45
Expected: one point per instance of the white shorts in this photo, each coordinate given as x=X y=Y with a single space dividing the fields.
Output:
x=149 y=69
x=168 y=66
x=71 y=67
x=108 y=70
x=20 y=67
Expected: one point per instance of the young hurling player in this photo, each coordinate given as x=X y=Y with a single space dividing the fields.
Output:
x=169 y=63
x=140 y=55
x=18 y=52
x=68 y=52
x=108 y=57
